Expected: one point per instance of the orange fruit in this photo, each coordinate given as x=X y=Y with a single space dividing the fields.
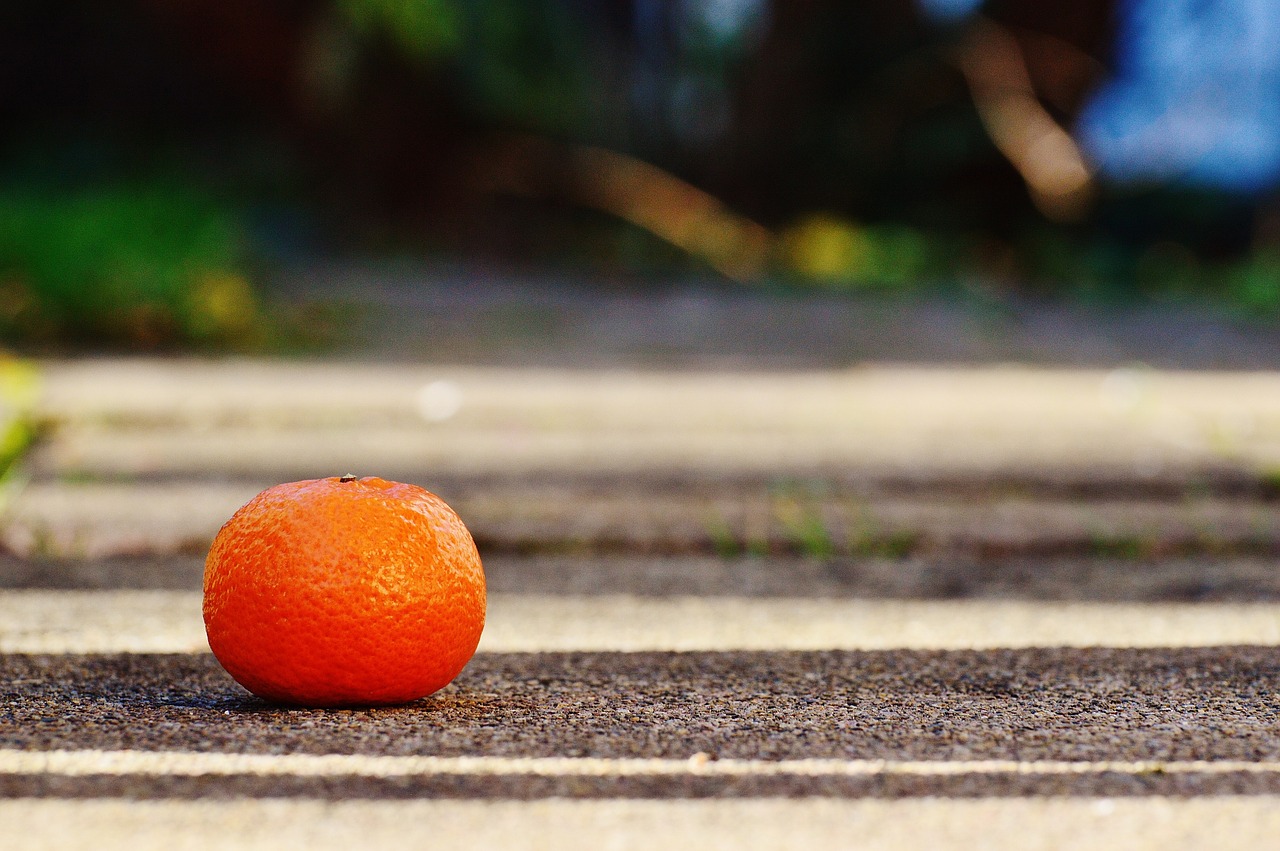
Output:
x=344 y=592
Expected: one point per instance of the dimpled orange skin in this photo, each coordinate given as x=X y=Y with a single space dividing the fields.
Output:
x=336 y=592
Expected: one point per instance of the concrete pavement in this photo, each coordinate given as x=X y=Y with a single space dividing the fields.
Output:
x=993 y=824
x=891 y=607
x=62 y=621
x=149 y=457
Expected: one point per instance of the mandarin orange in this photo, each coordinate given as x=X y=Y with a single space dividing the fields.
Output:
x=344 y=592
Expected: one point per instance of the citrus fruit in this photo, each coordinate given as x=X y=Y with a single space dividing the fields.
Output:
x=344 y=592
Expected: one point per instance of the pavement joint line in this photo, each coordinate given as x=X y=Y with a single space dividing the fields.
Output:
x=64 y=622
x=80 y=763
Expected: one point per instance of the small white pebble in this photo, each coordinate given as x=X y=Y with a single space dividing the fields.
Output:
x=438 y=401
x=1123 y=389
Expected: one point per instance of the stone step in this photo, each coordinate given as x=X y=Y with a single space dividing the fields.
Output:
x=1102 y=579
x=103 y=519
x=150 y=457
x=135 y=392
x=273 y=421
x=171 y=622
x=1081 y=459
x=932 y=400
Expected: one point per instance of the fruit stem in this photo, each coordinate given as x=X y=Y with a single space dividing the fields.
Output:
x=347 y=478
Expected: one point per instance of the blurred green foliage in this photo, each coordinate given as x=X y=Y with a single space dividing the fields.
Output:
x=148 y=264
x=19 y=423
x=423 y=29
x=528 y=64
x=1254 y=283
x=831 y=251
x=523 y=62
x=846 y=128
x=834 y=252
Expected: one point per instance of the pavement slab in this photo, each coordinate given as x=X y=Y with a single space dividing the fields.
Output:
x=140 y=775
x=769 y=605
x=217 y=419
x=104 y=520
x=170 y=622
x=1026 y=824
x=1170 y=579
x=150 y=457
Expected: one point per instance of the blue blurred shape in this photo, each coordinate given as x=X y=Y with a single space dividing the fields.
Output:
x=1195 y=96
x=948 y=11
x=726 y=19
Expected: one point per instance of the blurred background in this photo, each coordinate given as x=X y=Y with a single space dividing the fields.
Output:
x=180 y=174
x=886 y=299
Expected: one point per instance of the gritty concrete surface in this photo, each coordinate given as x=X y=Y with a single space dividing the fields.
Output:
x=1032 y=704
x=509 y=317
x=102 y=774
x=1136 y=579
x=1159 y=824
x=143 y=774
x=709 y=570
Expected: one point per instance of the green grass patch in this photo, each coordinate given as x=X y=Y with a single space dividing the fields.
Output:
x=142 y=264
x=19 y=425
